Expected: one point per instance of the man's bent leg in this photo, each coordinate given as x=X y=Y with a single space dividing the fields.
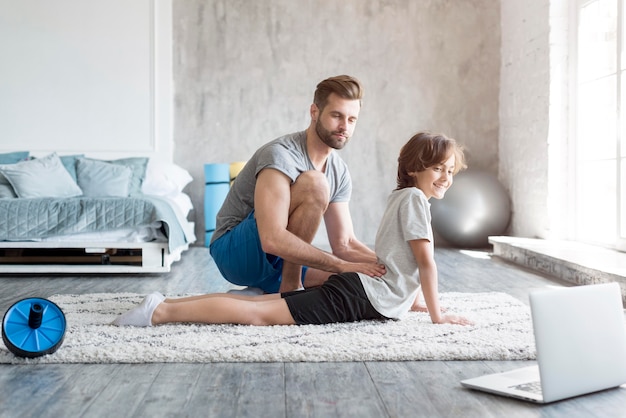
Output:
x=241 y=260
x=315 y=277
x=309 y=200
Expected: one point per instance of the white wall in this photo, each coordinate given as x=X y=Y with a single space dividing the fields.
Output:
x=86 y=76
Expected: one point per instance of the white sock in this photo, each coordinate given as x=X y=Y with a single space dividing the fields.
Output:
x=141 y=316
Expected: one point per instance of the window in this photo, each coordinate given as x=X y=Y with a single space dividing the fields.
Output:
x=600 y=124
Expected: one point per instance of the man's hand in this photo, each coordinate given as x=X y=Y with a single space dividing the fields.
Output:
x=371 y=269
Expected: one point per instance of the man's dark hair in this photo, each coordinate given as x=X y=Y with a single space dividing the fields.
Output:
x=344 y=86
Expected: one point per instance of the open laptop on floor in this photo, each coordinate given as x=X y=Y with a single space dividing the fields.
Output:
x=580 y=337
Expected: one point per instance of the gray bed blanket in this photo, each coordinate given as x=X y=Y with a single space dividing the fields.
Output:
x=32 y=219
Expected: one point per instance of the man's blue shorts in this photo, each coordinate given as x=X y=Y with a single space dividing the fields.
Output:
x=241 y=260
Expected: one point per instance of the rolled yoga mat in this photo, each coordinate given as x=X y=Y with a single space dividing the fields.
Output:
x=217 y=183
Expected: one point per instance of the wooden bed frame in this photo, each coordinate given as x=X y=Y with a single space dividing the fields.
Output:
x=86 y=257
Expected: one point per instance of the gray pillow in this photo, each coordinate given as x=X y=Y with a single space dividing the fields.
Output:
x=99 y=178
x=41 y=177
x=69 y=162
x=137 y=165
x=13 y=157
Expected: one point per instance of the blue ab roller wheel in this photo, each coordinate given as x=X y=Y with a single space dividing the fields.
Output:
x=33 y=327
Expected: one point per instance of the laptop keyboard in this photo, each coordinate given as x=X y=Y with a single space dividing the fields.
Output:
x=532 y=387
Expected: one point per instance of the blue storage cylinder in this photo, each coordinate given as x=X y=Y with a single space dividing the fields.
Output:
x=217 y=183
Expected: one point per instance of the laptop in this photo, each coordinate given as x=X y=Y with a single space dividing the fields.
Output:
x=580 y=337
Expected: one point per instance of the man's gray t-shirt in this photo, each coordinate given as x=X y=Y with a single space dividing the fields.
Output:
x=407 y=217
x=288 y=155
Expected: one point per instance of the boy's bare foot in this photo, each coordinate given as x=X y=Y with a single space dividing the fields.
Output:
x=421 y=307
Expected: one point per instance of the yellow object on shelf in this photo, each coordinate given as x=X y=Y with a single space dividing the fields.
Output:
x=235 y=168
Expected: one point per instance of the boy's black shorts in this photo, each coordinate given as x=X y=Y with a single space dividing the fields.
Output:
x=340 y=299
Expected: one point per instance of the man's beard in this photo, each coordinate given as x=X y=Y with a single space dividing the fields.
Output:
x=327 y=136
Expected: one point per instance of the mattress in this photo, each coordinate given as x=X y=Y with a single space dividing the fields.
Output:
x=46 y=218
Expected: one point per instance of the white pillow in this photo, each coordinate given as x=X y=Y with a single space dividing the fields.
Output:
x=98 y=178
x=41 y=177
x=182 y=202
x=165 y=179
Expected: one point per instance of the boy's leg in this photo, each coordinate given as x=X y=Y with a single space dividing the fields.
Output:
x=268 y=296
x=226 y=309
x=143 y=315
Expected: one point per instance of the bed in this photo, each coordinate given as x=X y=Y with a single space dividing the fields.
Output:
x=73 y=214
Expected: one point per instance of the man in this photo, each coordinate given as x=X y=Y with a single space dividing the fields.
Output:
x=273 y=210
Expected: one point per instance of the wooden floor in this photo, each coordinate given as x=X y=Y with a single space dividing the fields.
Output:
x=358 y=389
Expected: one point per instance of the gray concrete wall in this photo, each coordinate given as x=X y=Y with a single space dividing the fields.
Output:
x=534 y=116
x=245 y=72
x=523 y=112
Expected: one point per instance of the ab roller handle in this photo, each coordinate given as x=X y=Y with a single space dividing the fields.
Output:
x=33 y=327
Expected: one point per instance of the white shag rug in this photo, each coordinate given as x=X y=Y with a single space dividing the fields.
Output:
x=502 y=331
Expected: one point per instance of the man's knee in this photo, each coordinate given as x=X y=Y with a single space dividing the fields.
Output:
x=311 y=187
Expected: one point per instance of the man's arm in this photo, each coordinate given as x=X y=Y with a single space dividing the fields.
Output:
x=341 y=236
x=272 y=203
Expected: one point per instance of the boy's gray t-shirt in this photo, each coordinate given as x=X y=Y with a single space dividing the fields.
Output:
x=288 y=155
x=407 y=217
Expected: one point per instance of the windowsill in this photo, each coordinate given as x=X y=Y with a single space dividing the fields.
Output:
x=574 y=262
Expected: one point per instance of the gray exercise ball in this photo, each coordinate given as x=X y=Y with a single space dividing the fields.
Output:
x=474 y=208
